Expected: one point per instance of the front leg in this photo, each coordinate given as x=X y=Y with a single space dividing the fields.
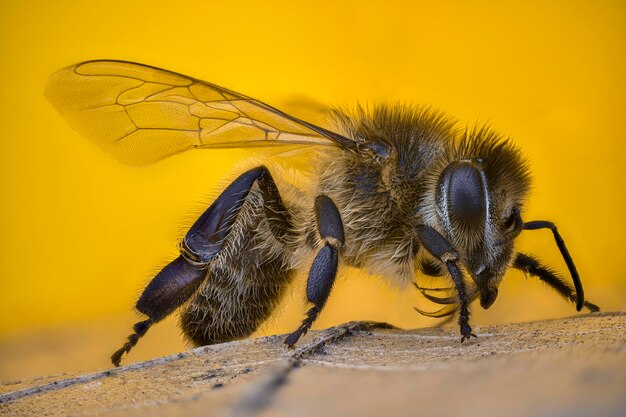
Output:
x=324 y=269
x=441 y=249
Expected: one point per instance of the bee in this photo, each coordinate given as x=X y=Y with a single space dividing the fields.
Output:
x=396 y=190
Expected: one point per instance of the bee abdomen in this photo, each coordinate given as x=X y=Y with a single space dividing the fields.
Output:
x=228 y=309
x=244 y=284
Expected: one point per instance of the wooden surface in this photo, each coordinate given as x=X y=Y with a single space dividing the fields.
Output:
x=568 y=367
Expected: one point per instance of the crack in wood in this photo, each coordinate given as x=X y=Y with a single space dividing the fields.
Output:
x=338 y=331
x=260 y=395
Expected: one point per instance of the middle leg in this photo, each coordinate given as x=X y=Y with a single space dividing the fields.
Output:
x=324 y=269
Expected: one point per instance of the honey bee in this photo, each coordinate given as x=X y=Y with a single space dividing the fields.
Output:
x=396 y=190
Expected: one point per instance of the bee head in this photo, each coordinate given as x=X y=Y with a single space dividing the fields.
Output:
x=479 y=199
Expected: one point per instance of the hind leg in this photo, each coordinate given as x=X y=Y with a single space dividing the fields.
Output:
x=179 y=280
x=207 y=235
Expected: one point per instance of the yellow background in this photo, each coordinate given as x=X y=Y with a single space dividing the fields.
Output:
x=81 y=233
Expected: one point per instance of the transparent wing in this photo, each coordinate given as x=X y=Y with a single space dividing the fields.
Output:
x=143 y=114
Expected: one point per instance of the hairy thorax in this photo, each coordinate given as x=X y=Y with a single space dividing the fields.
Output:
x=378 y=237
x=379 y=188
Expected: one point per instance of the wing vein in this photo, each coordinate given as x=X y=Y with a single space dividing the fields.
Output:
x=156 y=101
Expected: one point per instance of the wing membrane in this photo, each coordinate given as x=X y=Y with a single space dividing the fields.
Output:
x=143 y=114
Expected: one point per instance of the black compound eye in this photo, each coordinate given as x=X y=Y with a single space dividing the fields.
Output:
x=467 y=198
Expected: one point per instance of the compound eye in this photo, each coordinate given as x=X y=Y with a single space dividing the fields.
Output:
x=467 y=198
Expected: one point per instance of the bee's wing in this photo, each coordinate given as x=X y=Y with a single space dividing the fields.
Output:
x=143 y=114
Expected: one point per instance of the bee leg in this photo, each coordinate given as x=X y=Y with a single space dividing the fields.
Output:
x=430 y=268
x=324 y=268
x=436 y=300
x=441 y=249
x=179 y=280
x=560 y=243
x=206 y=236
x=531 y=266
x=169 y=289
